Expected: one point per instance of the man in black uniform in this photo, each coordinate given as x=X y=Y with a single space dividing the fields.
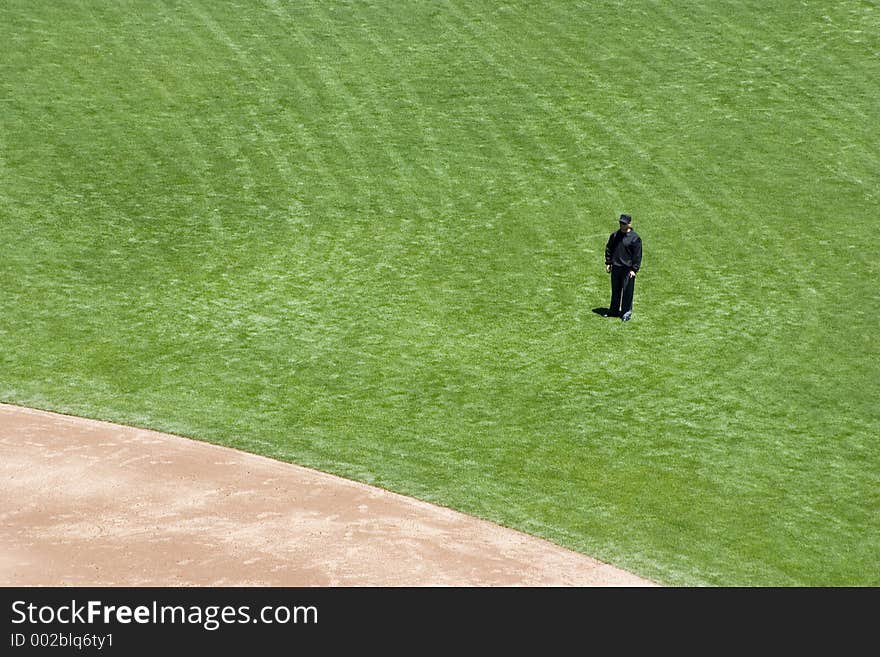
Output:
x=623 y=258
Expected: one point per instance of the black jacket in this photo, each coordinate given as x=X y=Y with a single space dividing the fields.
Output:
x=624 y=250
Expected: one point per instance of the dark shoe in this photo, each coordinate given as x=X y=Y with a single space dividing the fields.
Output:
x=626 y=316
x=611 y=313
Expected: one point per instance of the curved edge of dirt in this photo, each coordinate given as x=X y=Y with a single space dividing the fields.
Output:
x=91 y=503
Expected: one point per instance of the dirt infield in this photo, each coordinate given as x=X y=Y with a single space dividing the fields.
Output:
x=88 y=503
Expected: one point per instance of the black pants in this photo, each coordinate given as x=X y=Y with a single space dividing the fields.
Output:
x=622 y=289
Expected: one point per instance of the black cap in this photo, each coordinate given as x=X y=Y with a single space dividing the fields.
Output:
x=625 y=219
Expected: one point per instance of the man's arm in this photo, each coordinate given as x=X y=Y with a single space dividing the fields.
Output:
x=636 y=256
x=609 y=246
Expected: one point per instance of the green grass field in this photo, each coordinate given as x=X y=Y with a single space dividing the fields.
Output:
x=368 y=237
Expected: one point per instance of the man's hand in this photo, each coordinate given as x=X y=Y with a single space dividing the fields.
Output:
x=632 y=274
x=607 y=269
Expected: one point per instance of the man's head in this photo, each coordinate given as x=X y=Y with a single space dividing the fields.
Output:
x=625 y=223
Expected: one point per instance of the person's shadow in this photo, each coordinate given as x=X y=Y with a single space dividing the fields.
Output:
x=604 y=312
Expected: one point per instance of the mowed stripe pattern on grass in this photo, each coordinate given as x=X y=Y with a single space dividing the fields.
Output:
x=367 y=237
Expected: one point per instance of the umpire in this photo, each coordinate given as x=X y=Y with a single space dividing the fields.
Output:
x=623 y=258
